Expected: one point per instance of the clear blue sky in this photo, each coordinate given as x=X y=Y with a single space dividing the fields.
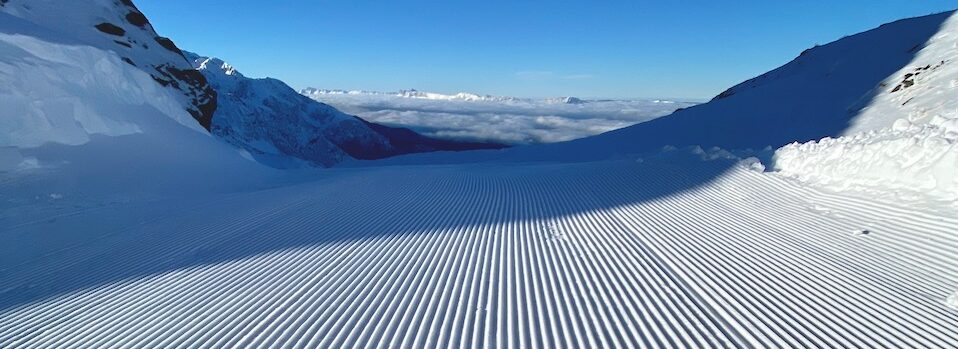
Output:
x=660 y=48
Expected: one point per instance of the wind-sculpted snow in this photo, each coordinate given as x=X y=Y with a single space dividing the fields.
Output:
x=507 y=120
x=608 y=254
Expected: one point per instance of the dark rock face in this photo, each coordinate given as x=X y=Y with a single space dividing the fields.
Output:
x=194 y=84
x=167 y=44
x=136 y=18
x=111 y=29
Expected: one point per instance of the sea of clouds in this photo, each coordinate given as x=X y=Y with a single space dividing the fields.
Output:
x=498 y=119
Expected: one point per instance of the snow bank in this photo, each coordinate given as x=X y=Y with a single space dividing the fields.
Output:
x=904 y=141
x=920 y=158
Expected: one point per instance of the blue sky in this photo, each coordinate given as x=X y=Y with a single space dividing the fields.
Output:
x=679 y=49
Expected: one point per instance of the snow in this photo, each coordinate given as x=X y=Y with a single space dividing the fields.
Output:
x=508 y=120
x=905 y=141
x=601 y=254
x=56 y=90
x=74 y=23
x=952 y=301
x=131 y=227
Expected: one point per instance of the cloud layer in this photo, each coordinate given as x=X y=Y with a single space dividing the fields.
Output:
x=497 y=119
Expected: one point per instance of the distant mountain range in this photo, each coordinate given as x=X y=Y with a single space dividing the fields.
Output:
x=461 y=96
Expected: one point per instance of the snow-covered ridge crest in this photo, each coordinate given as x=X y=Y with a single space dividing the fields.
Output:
x=215 y=65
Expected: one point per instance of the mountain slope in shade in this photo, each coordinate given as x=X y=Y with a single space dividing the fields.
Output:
x=283 y=128
x=119 y=27
x=820 y=93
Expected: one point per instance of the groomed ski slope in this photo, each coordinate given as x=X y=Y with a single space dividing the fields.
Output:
x=606 y=254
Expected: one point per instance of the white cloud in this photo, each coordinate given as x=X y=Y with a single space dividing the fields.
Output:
x=512 y=121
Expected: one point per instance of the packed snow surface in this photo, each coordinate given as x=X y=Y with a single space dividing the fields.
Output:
x=602 y=254
x=508 y=120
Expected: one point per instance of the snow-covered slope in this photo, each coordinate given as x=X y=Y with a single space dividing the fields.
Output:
x=118 y=28
x=820 y=93
x=278 y=126
x=507 y=120
x=282 y=128
x=55 y=89
x=67 y=87
x=904 y=140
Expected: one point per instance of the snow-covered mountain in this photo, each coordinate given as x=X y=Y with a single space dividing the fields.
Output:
x=118 y=27
x=905 y=136
x=74 y=70
x=282 y=128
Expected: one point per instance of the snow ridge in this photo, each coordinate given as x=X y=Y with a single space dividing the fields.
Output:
x=54 y=89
